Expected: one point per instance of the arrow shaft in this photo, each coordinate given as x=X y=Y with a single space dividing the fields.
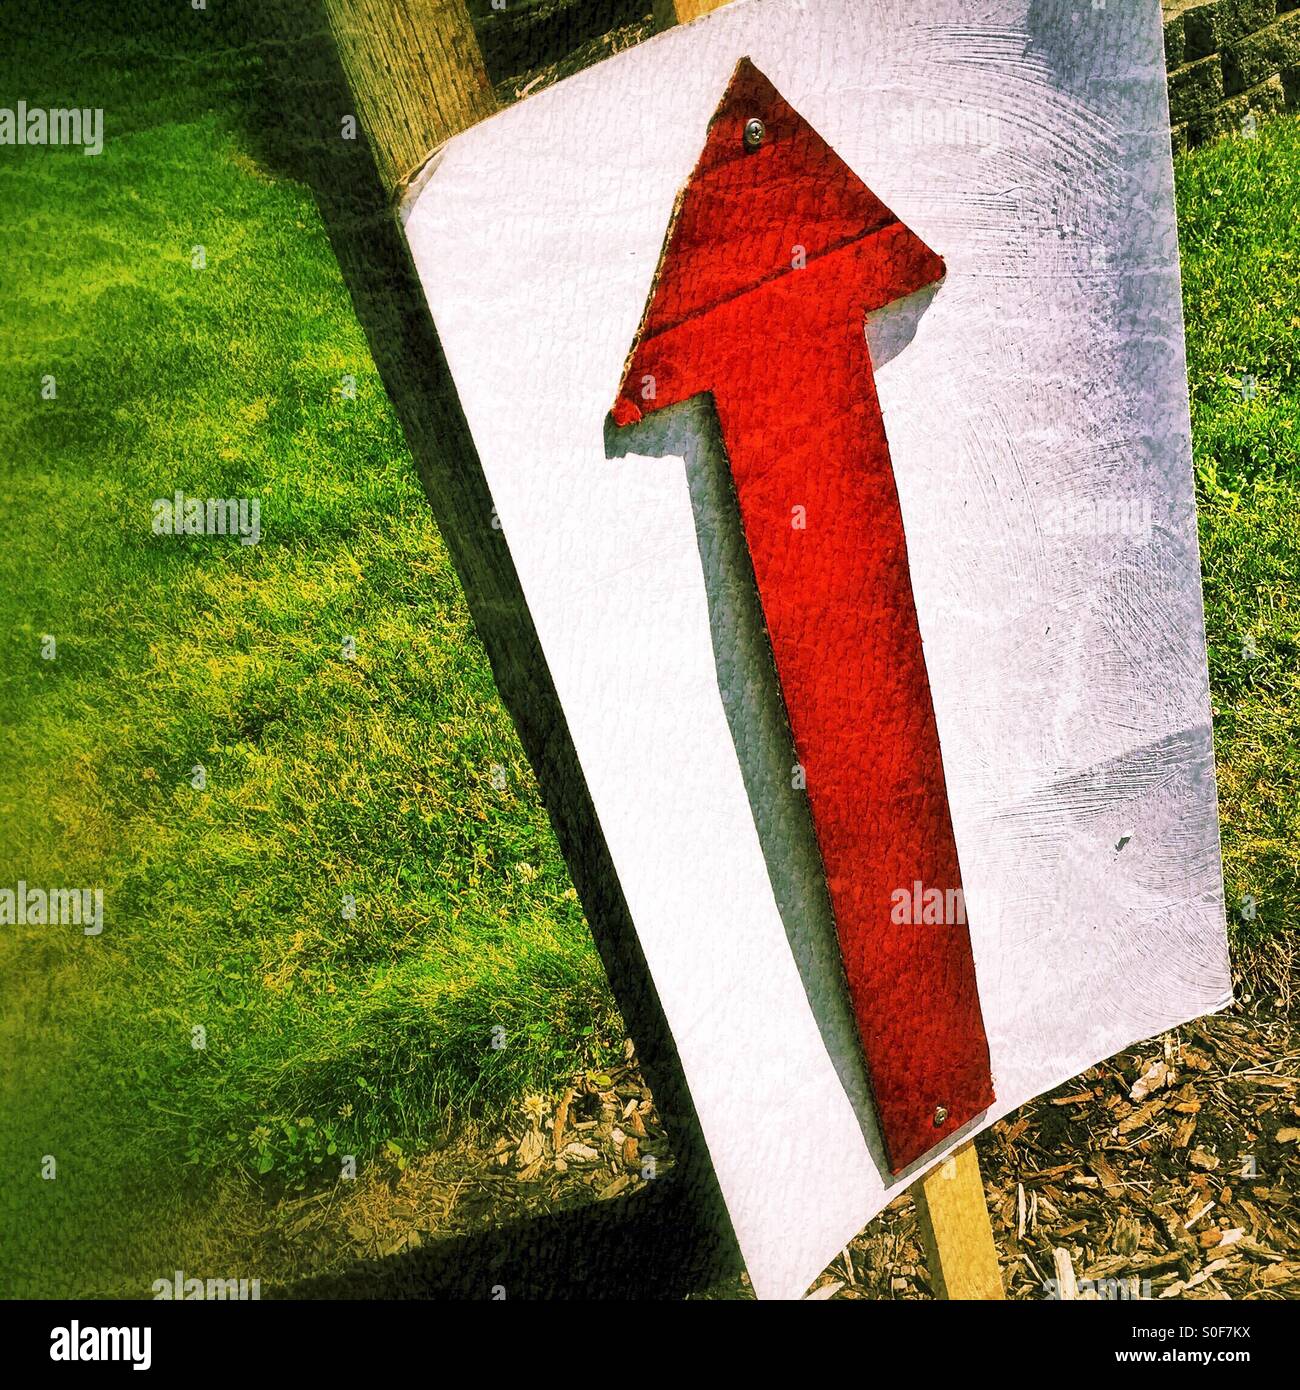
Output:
x=776 y=253
x=814 y=482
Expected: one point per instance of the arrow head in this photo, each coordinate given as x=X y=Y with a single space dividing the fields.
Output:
x=767 y=198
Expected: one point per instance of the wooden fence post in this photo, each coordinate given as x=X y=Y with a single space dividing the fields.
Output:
x=417 y=74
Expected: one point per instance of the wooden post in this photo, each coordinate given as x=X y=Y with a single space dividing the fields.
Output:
x=417 y=74
x=670 y=12
x=956 y=1230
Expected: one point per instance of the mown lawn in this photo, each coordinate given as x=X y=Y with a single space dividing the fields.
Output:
x=1240 y=243
x=466 y=977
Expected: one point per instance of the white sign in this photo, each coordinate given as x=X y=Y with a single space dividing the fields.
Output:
x=1037 y=420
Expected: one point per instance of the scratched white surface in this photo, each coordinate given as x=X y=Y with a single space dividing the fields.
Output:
x=1027 y=143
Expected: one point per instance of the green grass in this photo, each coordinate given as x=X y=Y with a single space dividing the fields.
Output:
x=394 y=776
x=372 y=776
x=1240 y=244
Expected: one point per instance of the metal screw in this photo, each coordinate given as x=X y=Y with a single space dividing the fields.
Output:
x=940 y=1115
x=755 y=130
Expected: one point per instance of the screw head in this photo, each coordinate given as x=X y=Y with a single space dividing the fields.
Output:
x=940 y=1115
x=755 y=130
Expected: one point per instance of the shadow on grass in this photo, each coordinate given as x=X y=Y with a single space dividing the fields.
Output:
x=660 y=1242
x=594 y=1252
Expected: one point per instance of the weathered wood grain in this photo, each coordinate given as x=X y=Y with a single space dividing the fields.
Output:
x=415 y=72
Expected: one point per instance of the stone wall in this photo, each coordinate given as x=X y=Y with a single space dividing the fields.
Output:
x=1229 y=60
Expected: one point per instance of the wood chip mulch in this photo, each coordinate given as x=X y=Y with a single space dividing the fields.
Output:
x=1170 y=1171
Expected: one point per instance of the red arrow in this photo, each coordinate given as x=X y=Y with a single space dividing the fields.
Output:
x=775 y=255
